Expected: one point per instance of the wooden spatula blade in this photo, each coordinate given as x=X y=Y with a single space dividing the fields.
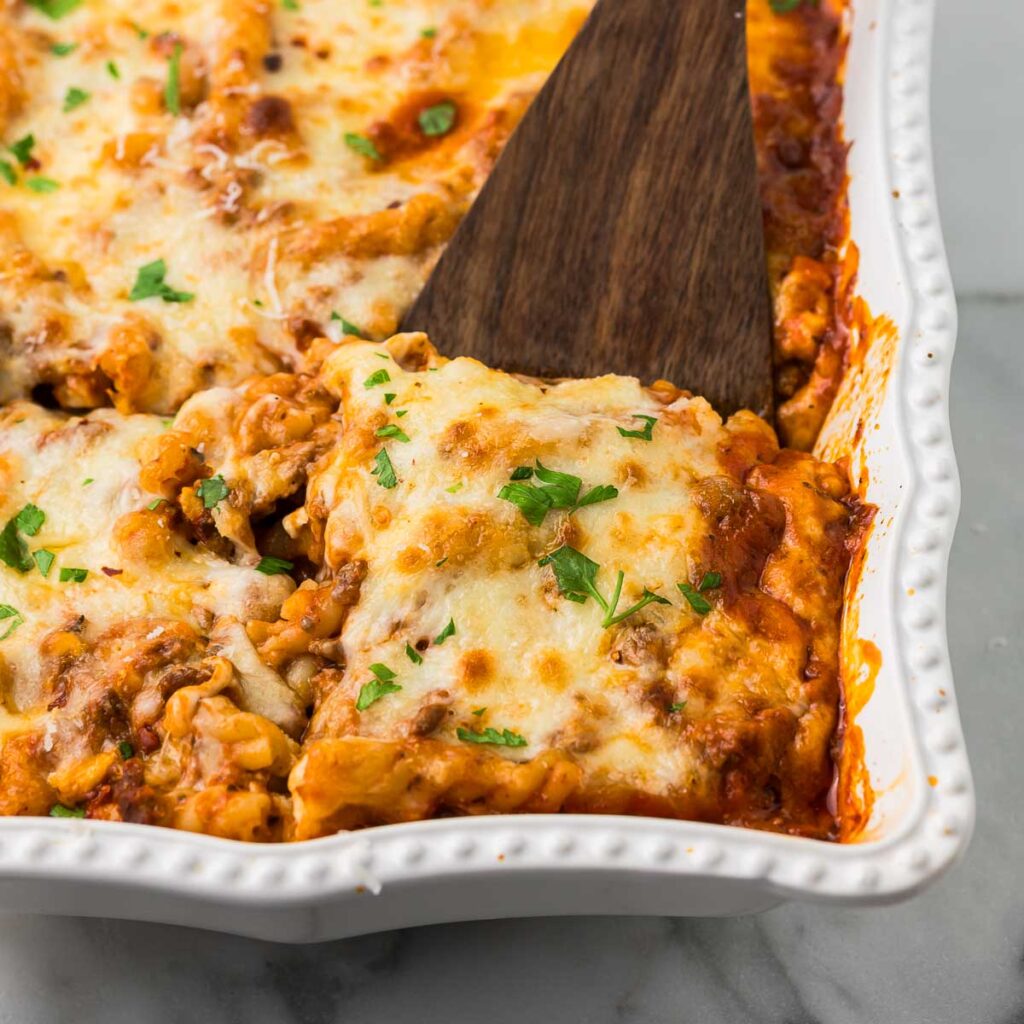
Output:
x=620 y=231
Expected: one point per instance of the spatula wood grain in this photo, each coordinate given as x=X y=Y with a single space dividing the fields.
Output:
x=620 y=231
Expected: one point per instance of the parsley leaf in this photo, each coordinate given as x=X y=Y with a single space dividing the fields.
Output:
x=63 y=49
x=533 y=502
x=785 y=6
x=478 y=711
x=213 y=491
x=380 y=376
x=455 y=488
x=172 y=88
x=30 y=519
x=505 y=738
x=389 y=397
x=448 y=631
x=556 y=491
x=149 y=283
x=413 y=655
x=392 y=430
x=428 y=33
x=645 y=434
x=155 y=504
x=347 y=327
x=290 y=5
x=699 y=604
x=678 y=706
x=383 y=470
x=44 y=560
x=13 y=551
x=112 y=70
x=576 y=576
x=70 y=575
x=22 y=149
x=271 y=566
x=54 y=9
x=711 y=581
x=9 y=612
x=125 y=749
x=362 y=145
x=7 y=172
x=438 y=119
x=60 y=811
x=42 y=184
x=74 y=97
x=378 y=687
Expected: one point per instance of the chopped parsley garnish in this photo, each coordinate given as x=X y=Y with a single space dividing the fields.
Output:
x=63 y=49
x=413 y=655
x=70 y=575
x=389 y=397
x=448 y=631
x=54 y=9
x=22 y=149
x=60 y=811
x=362 y=145
x=392 y=430
x=290 y=5
x=380 y=376
x=139 y=30
x=384 y=471
x=113 y=70
x=74 y=97
x=555 y=491
x=428 y=33
x=42 y=184
x=785 y=6
x=9 y=612
x=576 y=576
x=44 y=560
x=455 y=488
x=13 y=551
x=271 y=566
x=438 y=119
x=172 y=88
x=478 y=711
x=711 y=581
x=378 y=687
x=402 y=412
x=645 y=434
x=8 y=173
x=155 y=504
x=678 y=706
x=149 y=283
x=125 y=749
x=699 y=604
x=347 y=327
x=213 y=491
x=88 y=480
x=30 y=519
x=505 y=738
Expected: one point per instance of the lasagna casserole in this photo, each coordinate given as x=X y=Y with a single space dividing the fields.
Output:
x=269 y=570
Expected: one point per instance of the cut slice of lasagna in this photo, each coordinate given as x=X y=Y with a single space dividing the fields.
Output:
x=579 y=595
x=130 y=688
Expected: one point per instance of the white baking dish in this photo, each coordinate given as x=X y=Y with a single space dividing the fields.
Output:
x=467 y=868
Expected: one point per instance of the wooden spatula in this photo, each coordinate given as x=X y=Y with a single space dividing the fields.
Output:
x=620 y=231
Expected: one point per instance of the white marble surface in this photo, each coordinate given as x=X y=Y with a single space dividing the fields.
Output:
x=955 y=954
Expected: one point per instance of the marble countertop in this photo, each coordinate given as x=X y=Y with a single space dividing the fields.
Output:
x=954 y=954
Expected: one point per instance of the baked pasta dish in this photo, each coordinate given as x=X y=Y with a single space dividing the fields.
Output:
x=269 y=570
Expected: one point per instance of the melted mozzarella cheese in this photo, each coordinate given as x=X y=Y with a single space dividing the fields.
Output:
x=83 y=474
x=229 y=193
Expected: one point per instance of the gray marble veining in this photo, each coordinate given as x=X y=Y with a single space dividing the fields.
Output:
x=955 y=954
